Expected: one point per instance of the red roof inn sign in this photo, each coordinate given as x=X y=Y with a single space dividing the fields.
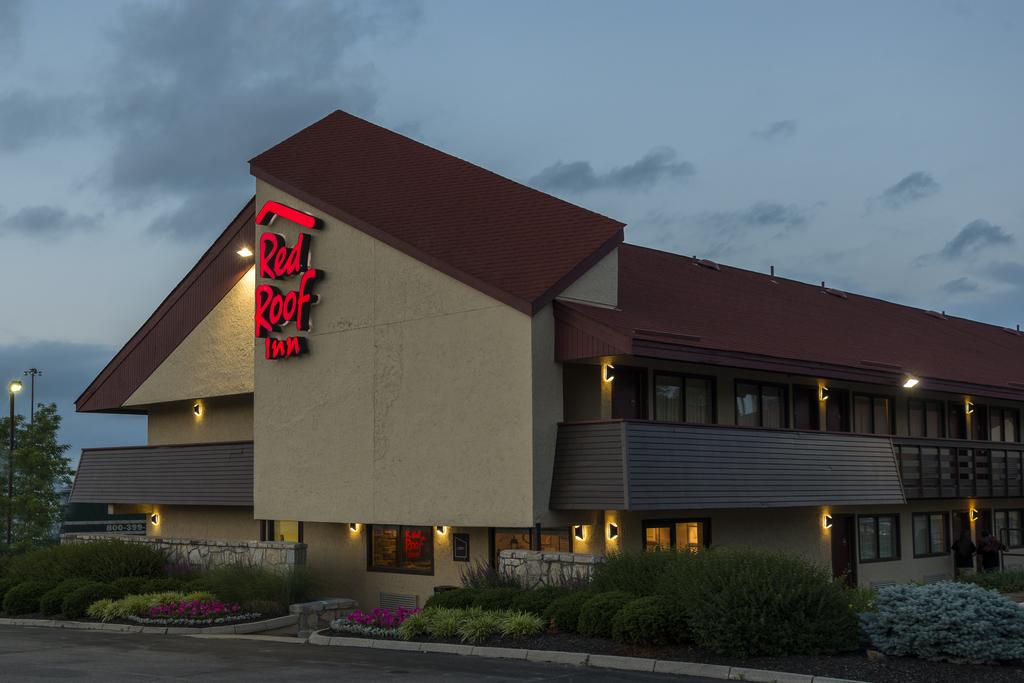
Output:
x=277 y=261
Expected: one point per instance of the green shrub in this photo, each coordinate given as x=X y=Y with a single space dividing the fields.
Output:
x=52 y=601
x=138 y=605
x=6 y=584
x=102 y=561
x=496 y=598
x=198 y=584
x=158 y=586
x=521 y=625
x=485 y=575
x=954 y=622
x=647 y=621
x=537 y=600
x=249 y=584
x=747 y=603
x=99 y=609
x=444 y=622
x=635 y=573
x=130 y=585
x=24 y=598
x=861 y=599
x=564 y=612
x=78 y=600
x=599 y=611
x=415 y=626
x=480 y=626
x=458 y=598
x=1004 y=582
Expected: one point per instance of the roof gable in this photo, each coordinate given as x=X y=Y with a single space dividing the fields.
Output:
x=519 y=245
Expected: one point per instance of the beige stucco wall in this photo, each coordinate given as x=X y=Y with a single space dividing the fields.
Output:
x=337 y=557
x=200 y=522
x=414 y=404
x=599 y=285
x=223 y=418
x=547 y=411
x=215 y=359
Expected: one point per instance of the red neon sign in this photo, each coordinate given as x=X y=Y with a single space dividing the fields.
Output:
x=275 y=309
x=414 y=542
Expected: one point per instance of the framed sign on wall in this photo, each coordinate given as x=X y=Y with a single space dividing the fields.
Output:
x=460 y=547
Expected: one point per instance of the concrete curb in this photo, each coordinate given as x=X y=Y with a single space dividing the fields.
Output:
x=662 y=666
x=224 y=629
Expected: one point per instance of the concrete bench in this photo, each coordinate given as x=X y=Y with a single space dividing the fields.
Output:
x=318 y=614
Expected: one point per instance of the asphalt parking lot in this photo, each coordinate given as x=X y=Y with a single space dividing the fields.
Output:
x=58 y=654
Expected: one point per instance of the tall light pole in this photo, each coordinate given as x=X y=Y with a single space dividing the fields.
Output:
x=12 y=388
x=32 y=373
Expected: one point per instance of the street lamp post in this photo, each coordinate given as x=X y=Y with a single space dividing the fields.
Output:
x=32 y=373
x=12 y=388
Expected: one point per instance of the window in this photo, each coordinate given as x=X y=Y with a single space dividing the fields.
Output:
x=677 y=534
x=930 y=534
x=805 y=407
x=760 y=405
x=551 y=540
x=872 y=414
x=979 y=423
x=280 y=530
x=1008 y=527
x=925 y=418
x=683 y=399
x=629 y=393
x=837 y=411
x=878 y=537
x=1003 y=424
x=957 y=420
x=408 y=549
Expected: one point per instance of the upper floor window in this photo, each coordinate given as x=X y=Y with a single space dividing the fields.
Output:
x=1003 y=424
x=629 y=393
x=760 y=405
x=925 y=418
x=872 y=414
x=683 y=399
x=979 y=422
x=837 y=410
x=956 y=420
x=805 y=407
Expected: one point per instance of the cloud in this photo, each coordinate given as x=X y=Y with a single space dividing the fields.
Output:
x=1009 y=272
x=10 y=29
x=777 y=130
x=27 y=118
x=915 y=187
x=47 y=222
x=759 y=215
x=973 y=237
x=960 y=285
x=194 y=89
x=67 y=369
x=579 y=176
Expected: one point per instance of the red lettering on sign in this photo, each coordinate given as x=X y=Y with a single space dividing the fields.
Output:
x=414 y=542
x=277 y=261
x=275 y=349
x=271 y=210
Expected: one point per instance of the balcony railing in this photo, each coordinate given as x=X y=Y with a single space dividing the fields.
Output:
x=942 y=468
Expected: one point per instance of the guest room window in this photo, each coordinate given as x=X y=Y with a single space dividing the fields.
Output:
x=930 y=534
x=760 y=405
x=677 y=534
x=878 y=537
x=683 y=399
x=872 y=414
x=925 y=418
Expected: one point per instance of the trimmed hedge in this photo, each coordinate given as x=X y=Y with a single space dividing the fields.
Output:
x=638 y=574
x=24 y=598
x=1011 y=581
x=6 y=584
x=599 y=611
x=103 y=561
x=160 y=586
x=130 y=585
x=77 y=602
x=536 y=601
x=564 y=612
x=647 y=621
x=458 y=598
x=52 y=601
x=494 y=599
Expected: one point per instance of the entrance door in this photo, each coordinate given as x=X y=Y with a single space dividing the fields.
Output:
x=983 y=525
x=629 y=393
x=844 y=548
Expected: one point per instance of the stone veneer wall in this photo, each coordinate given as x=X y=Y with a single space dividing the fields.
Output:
x=203 y=554
x=537 y=567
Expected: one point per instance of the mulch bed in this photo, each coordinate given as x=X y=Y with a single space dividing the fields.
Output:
x=853 y=666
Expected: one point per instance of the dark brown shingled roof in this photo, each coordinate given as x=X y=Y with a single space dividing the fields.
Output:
x=189 y=302
x=520 y=246
x=672 y=307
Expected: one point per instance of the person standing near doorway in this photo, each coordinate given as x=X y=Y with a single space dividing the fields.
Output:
x=963 y=552
x=989 y=548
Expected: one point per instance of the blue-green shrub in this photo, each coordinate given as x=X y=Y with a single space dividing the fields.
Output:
x=954 y=622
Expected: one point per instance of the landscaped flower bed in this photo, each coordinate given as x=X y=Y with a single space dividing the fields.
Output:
x=379 y=623
x=194 y=613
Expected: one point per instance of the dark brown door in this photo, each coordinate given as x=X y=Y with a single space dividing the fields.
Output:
x=844 y=550
x=629 y=393
x=983 y=525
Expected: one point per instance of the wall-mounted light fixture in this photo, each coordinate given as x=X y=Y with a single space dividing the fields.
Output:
x=440 y=530
x=613 y=531
x=910 y=382
x=974 y=514
x=197 y=409
x=353 y=527
x=826 y=521
x=578 y=532
x=244 y=252
x=822 y=393
x=968 y=407
x=154 y=519
x=608 y=376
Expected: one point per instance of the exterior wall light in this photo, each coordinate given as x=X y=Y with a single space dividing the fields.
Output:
x=974 y=514
x=910 y=382
x=968 y=407
x=354 y=527
x=826 y=521
x=244 y=252
x=441 y=530
x=154 y=519
x=822 y=393
x=578 y=532
x=608 y=376
x=613 y=531
x=197 y=408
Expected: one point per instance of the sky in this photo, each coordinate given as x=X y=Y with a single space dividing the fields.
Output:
x=872 y=145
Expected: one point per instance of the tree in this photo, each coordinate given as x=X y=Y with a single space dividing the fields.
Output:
x=41 y=470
